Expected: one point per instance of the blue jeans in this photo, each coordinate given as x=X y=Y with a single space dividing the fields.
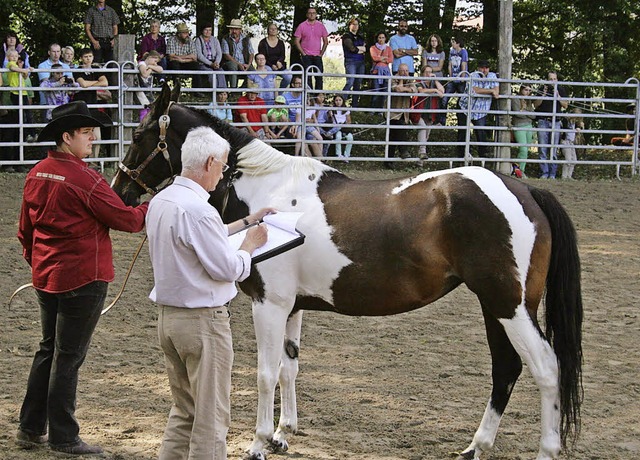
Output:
x=481 y=134
x=548 y=171
x=68 y=320
x=353 y=68
x=308 y=61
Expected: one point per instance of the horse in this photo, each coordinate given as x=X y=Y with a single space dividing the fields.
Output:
x=390 y=246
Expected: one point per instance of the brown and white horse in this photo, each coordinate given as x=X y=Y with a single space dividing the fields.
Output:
x=387 y=247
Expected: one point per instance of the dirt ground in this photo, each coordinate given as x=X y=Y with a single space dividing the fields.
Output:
x=407 y=387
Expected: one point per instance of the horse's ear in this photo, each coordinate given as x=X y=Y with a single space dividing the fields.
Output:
x=162 y=102
x=175 y=94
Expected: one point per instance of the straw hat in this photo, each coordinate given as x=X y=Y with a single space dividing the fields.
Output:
x=235 y=24
x=182 y=27
x=68 y=117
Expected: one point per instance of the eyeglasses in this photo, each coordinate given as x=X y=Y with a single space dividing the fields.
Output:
x=225 y=167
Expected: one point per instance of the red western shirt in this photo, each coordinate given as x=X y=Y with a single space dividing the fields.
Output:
x=67 y=211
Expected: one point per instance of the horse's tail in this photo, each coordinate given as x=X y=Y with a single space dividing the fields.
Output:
x=563 y=303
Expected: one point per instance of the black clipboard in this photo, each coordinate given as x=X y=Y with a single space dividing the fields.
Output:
x=294 y=243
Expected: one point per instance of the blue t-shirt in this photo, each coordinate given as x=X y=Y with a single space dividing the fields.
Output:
x=293 y=99
x=456 y=58
x=404 y=42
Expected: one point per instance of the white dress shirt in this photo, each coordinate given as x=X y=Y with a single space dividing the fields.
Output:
x=193 y=264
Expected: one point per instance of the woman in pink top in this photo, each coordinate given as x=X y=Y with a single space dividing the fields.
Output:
x=382 y=57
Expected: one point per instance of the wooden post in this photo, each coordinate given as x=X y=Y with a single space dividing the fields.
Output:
x=125 y=51
x=504 y=68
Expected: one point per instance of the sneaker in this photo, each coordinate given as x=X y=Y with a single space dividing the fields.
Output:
x=30 y=441
x=81 y=448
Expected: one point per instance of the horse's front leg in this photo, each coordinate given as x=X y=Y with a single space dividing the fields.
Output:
x=288 y=423
x=269 y=321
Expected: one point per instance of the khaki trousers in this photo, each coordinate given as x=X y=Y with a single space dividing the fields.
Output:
x=198 y=355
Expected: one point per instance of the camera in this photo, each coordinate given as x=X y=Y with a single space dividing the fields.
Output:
x=68 y=80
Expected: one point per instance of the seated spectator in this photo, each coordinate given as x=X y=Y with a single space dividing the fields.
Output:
x=628 y=139
x=221 y=109
x=16 y=78
x=68 y=54
x=246 y=113
x=280 y=114
x=181 y=51
x=273 y=50
x=12 y=42
x=149 y=68
x=62 y=88
x=237 y=52
x=294 y=98
x=382 y=57
x=55 y=52
x=265 y=80
x=312 y=133
x=209 y=55
x=339 y=117
x=153 y=41
x=435 y=91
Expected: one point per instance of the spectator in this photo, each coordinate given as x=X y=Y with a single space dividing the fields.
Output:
x=237 y=52
x=181 y=51
x=324 y=117
x=101 y=26
x=354 y=50
x=458 y=64
x=279 y=114
x=340 y=117
x=12 y=42
x=522 y=117
x=16 y=78
x=149 y=68
x=153 y=41
x=67 y=57
x=484 y=87
x=430 y=86
x=433 y=55
x=574 y=125
x=549 y=131
x=248 y=111
x=311 y=40
x=67 y=211
x=54 y=53
x=195 y=270
x=404 y=48
x=400 y=103
x=221 y=109
x=294 y=98
x=312 y=132
x=61 y=89
x=274 y=51
x=209 y=55
x=382 y=56
x=265 y=80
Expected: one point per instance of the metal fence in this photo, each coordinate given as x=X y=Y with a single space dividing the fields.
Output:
x=371 y=128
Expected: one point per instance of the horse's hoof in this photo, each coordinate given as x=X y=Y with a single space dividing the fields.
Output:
x=278 y=446
x=469 y=455
x=254 y=456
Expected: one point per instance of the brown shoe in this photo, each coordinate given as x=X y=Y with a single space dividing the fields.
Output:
x=30 y=441
x=81 y=448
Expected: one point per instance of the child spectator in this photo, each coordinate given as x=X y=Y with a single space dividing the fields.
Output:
x=61 y=88
x=433 y=91
x=148 y=68
x=221 y=108
x=522 y=117
x=341 y=117
x=280 y=114
x=16 y=79
x=574 y=125
x=90 y=77
x=312 y=132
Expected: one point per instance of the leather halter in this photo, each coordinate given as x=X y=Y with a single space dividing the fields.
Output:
x=134 y=174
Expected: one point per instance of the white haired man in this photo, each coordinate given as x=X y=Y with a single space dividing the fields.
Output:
x=195 y=270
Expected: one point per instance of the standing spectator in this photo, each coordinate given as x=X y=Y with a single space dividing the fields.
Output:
x=61 y=89
x=574 y=125
x=458 y=64
x=149 y=68
x=101 y=26
x=195 y=272
x=434 y=90
x=16 y=78
x=484 y=87
x=382 y=56
x=12 y=42
x=433 y=55
x=311 y=40
x=274 y=51
x=247 y=112
x=548 y=131
x=522 y=117
x=404 y=48
x=68 y=55
x=67 y=211
x=400 y=103
x=209 y=55
x=237 y=52
x=221 y=109
x=265 y=80
x=354 y=50
x=153 y=41
x=54 y=52
x=181 y=51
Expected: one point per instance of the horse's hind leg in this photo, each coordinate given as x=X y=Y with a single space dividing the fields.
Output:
x=288 y=423
x=506 y=368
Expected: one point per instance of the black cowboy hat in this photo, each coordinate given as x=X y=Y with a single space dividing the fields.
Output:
x=68 y=117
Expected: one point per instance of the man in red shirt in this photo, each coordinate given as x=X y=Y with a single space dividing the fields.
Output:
x=67 y=211
x=247 y=113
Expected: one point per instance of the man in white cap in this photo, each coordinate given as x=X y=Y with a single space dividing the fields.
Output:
x=67 y=211
x=237 y=52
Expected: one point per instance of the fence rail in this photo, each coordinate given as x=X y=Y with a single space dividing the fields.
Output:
x=372 y=128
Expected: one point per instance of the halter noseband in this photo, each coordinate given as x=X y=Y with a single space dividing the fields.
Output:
x=134 y=174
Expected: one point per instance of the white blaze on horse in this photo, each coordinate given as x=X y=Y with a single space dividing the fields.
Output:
x=391 y=246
